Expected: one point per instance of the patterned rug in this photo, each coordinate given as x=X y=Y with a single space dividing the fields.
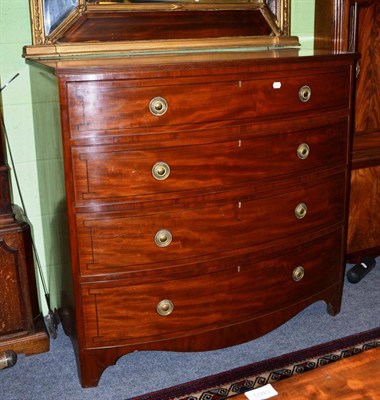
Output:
x=239 y=380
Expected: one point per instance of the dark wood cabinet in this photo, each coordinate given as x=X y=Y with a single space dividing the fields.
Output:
x=21 y=323
x=355 y=25
x=364 y=222
x=207 y=195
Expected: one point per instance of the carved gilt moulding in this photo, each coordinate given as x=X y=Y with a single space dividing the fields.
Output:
x=64 y=27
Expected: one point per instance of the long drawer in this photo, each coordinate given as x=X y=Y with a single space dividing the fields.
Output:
x=122 y=312
x=114 y=174
x=170 y=104
x=120 y=242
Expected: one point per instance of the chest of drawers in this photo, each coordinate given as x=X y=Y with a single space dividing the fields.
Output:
x=206 y=196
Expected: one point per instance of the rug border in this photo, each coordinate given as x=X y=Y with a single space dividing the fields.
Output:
x=277 y=362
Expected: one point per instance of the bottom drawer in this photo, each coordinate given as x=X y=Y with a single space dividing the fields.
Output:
x=118 y=313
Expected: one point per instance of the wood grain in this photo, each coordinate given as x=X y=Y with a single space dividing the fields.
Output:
x=227 y=99
x=21 y=324
x=111 y=26
x=368 y=83
x=107 y=174
x=331 y=28
x=364 y=218
x=230 y=134
x=126 y=313
x=354 y=378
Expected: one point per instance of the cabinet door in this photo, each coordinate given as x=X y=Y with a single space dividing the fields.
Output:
x=13 y=307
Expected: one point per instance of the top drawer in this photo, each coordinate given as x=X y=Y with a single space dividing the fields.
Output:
x=103 y=107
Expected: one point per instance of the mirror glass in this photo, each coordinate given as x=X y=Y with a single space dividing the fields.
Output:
x=55 y=11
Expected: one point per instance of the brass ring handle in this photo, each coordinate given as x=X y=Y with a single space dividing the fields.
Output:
x=160 y=171
x=163 y=238
x=158 y=106
x=303 y=151
x=298 y=273
x=304 y=93
x=300 y=211
x=165 y=307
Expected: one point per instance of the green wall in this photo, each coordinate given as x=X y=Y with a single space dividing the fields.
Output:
x=32 y=123
x=302 y=21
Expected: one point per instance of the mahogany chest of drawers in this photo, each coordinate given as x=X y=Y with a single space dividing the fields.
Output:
x=206 y=196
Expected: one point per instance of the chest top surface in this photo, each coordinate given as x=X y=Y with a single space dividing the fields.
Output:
x=188 y=63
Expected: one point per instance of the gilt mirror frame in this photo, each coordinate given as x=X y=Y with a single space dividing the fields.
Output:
x=46 y=34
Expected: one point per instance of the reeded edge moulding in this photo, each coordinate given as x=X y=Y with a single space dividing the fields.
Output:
x=46 y=33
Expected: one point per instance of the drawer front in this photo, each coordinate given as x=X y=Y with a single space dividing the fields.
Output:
x=104 y=106
x=302 y=93
x=185 y=306
x=105 y=174
x=108 y=107
x=117 y=243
